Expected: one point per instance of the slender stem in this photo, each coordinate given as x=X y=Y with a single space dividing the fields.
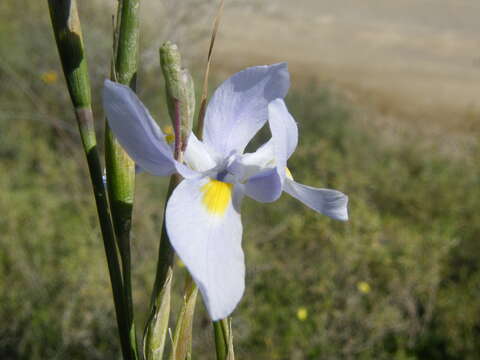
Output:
x=120 y=168
x=160 y=298
x=221 y=344
x=170 y=63
x=68 y=36
x=165 y=250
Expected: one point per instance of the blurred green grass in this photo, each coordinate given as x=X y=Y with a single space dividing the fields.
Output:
x=400 y=280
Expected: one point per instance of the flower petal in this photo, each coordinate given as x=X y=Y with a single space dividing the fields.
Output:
x=238 y=108
x=205 y=229
x=138 y=133
x=276 y=151
x=135 y=129
x=266 y=186
x=284 y=134
x=198 y=156
x=247 y=165
x=283 y=127
x=332 y=203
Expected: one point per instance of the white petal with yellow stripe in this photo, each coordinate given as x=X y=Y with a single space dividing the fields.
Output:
x=205 y=229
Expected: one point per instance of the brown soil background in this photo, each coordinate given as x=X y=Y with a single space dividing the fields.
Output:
x=417 y=59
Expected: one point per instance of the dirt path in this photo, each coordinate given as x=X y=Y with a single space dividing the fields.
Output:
x=411 y=56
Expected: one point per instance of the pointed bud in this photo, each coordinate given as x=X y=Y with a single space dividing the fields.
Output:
x=156 y=331
x=182 y=340
x=180 y=93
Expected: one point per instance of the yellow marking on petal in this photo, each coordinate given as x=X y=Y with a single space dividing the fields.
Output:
x=169 y=134
x=49 y=77
x=288 y=174
x=302 y=313
x=216 y=196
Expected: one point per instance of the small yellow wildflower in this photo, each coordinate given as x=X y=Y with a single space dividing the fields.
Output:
x=49 y=77
x=364 y=287
x=302 y=313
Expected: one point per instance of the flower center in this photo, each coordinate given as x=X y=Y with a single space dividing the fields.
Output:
x=216 y=196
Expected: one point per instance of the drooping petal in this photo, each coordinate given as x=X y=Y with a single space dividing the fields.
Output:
x=332 y=203
x=239 y=107
x=265 y=186
x=138 y=133
x=198 y=156
x=135 y=129
x=205 y=229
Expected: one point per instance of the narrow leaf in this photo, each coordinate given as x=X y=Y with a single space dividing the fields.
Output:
x=203 y=101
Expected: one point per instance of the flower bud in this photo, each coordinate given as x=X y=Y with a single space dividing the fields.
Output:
x=182 y=340
x=187 y=108
x=156 y=331
x=180 y=93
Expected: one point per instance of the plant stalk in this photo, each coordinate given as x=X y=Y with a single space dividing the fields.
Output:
x=165 y=250
x=68 y=35
x=120 y=168
x=221 y=345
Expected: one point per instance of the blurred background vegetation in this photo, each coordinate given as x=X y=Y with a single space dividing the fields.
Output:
x=400 y=280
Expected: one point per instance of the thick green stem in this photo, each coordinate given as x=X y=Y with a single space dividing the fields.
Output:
x=68 y=36
x=120 y=168
x=222 y=331
x=221 y=345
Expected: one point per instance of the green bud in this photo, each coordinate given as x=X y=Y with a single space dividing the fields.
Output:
x=182 y=340
x=180 y=93
x=187 y=108
x=156 y=331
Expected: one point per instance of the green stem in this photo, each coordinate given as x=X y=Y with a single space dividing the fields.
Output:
x=68 y=36
x=165 y=250
x=120 y=168
x=221 y=344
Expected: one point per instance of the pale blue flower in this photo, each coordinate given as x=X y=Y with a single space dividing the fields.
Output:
x=203 y=214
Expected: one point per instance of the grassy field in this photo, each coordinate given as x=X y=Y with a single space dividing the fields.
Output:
x=399 y=281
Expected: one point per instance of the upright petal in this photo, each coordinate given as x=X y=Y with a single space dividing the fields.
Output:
x=332 y=203
x=198 y=156
x=138 y=133
x=250 y=164
x=204 y=227
x=283 y=127
x=277 y=150
x=238 y=108
x=135 y=129
x=284 y=134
